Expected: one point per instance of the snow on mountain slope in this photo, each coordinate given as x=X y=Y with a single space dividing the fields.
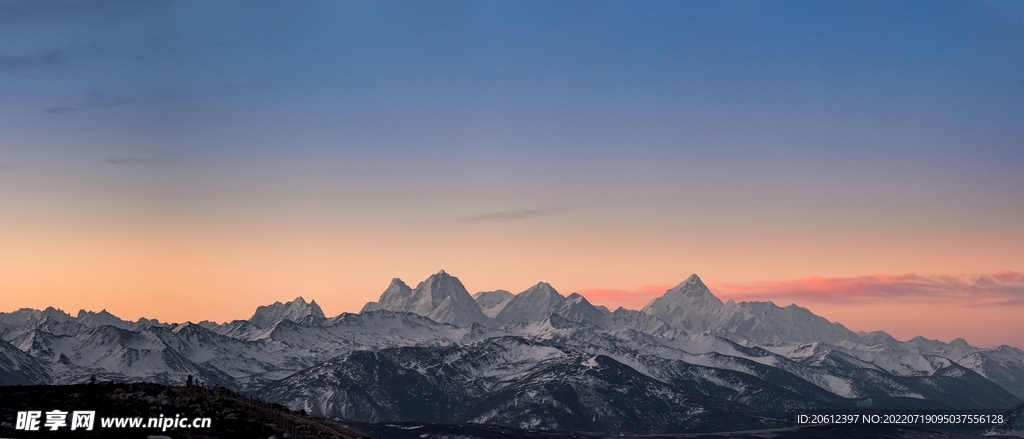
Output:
x=19 y=368
x=690 y=306
x=112 y=353
x=533 y=305
x=623 y=318
x=1003 y=365
x=540 y=301
x=14 y=324
x=765 y=323
x=441 y=297
x=505 y=380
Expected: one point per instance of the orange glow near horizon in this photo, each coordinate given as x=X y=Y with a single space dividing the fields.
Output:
x=193 y=269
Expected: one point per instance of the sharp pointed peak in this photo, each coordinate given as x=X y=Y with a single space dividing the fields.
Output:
x=442 y=276
x=56 y=312
x=692 y=284
x=691 y=291
x=577 y=297
x=540 y=287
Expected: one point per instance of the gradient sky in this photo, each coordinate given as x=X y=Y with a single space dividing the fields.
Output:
x=193 y=160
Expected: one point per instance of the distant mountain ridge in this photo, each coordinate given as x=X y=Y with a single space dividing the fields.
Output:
x=536 y=359
x=492 y=302
x=296 y=310
x=441 y=297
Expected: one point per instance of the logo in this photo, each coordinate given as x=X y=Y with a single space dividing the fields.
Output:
x=33 y=420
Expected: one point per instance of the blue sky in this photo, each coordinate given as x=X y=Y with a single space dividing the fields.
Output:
x=597 y=144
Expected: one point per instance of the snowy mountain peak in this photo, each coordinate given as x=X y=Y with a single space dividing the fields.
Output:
x=440 y=286
x=396 y=293
x=689 y=305
x=694 y=287
x=296 y=310
x=539 y=302
x=102 y=318
x=441 y=297
x=542 y=291
x=536 y=303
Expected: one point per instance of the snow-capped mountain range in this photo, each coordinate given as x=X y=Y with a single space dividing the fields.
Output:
x=537 y=359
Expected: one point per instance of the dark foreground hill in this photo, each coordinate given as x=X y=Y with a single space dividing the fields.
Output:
x=232 y=415
x=239 y=416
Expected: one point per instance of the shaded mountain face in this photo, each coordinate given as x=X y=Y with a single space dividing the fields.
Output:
x=535 y=304
x=492 y=302
x=296 y=310
x=505 y=381
x=687 y=362
x=540 y=301
x=441 y=297
x=576 y=379
x=19 y=368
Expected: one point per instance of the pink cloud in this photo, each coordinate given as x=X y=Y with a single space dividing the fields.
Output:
x=987 y=310
x=1004 y=288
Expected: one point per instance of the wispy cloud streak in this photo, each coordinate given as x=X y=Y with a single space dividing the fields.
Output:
x=1005 y=288
x=61 y=110
x=34 y=63
x=94 y=101
x=509 y=215
x=138 y=161
x=1000 y=289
